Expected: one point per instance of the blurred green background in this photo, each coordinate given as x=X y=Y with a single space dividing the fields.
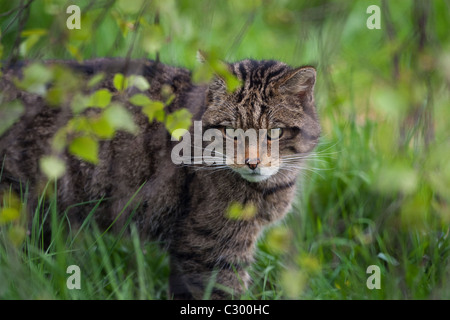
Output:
x=378 y=188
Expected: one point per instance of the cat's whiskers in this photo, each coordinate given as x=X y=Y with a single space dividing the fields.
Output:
x=296 y=169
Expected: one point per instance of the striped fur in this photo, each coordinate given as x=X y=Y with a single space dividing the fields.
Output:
x=185 y=207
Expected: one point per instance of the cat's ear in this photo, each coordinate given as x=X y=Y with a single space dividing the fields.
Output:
x=300 y=81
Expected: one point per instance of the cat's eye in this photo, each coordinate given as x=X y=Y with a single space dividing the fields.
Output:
x=274 y=134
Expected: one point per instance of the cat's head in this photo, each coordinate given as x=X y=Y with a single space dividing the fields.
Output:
x=275 y=101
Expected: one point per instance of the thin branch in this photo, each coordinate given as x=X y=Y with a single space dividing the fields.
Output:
x=391 y=35
x=7 y=13
x=21 y=7
x=237 y=41
x=22 y=15
x=133 y=41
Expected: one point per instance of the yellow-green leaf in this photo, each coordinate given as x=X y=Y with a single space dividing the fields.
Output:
x=102 y=128
x=35 y=78
x=74 y=51
x=120 y=118
x=202 y=74
x=140 y=99
x=27 y=44
x=153 y=110
x=139 y=82
x=120 y=82
x=237 y=211
x=55 y=96
x=153 y=38
x=95 y=79
x=59 y=140
x=8 y=214
x=80 y=102
x=100 y=98
x=52 y=167
x=32 y=37
x=31 y=32
x=10 y=112
x=16 y=235
x=86 y=148
x=180 y=119
x=293 y=282
x=278 y=239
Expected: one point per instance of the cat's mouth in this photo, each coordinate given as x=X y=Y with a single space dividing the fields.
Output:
x=256 y=175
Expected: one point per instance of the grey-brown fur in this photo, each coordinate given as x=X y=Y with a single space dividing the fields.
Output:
x=180 y=205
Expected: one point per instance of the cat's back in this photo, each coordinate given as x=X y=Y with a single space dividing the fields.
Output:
x=126 y=162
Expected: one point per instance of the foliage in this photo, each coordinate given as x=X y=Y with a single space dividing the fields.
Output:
x=378 y=188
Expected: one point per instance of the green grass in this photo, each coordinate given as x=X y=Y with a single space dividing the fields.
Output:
x=112 y=266
x=378 y=192
x=339 y=226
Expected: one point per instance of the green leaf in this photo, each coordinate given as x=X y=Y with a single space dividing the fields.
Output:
x=52 y=167
x=203 y=74
x=221 y=69
x=32 y=37
x=180 y=119
x=100 y=98
x=8 y=215
x=293 y=281
x=26 y=45
x=17 y=235
x=395 y=177
x=139 y=82
x=120 y=82
x=140 y=99
x=74 y=51
x=120 y=118
x=232 y=82
x=153 y=38
x=154 y=109
x=31 y=32
x=278 y=239
x=86 y=148
x=79 y=124
x=212 y=65
x=59 y=140
x=237 y=211
x=159 y=115
x=35 y=78
x=10 y=112
x=102 y=128
x=96 y=79
x=55 y=96
x=65 y=83
x=80 y=102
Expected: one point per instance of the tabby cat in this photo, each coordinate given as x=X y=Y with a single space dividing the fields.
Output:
x=183 y=206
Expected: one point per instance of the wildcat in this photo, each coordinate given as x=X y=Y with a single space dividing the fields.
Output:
x=183 y=206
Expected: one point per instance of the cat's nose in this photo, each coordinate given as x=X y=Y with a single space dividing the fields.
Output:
x=252 y=163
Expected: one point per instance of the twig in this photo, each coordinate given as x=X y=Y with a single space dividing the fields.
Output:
x=133 y=41
x=391 y=35
x=22 y=21
x=7 y=13
x=241 y=33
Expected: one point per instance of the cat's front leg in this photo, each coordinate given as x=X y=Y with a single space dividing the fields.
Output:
x=196 y=279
